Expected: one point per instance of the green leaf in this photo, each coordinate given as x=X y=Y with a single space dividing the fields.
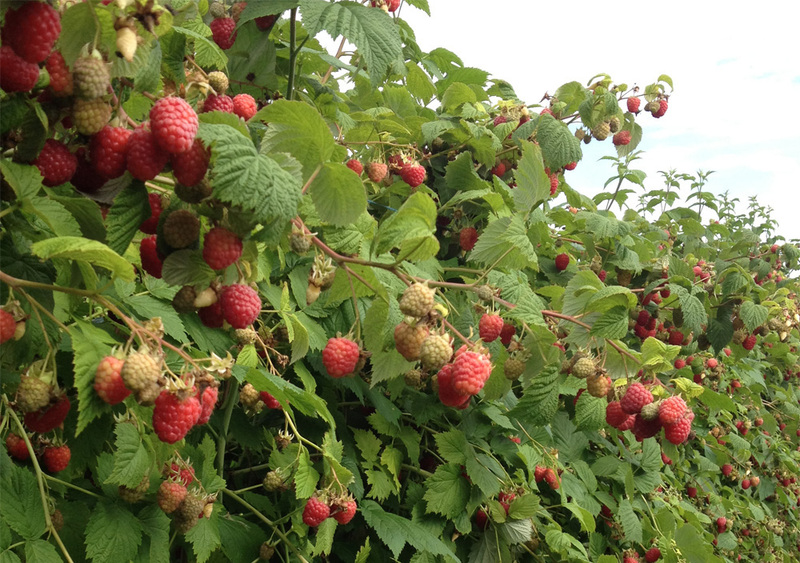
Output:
x=186 y=267
x=250 y=180
x=410 y=229
x=287 y=393
x=325 y=533
x=132 y=460
x=155 y=525
x=452 y=446
x=204 y=537
x=40 y=551
x=21 y=507
x=131 y=207
x=55 y=215
x=258 y=9
x=505 y=244
x=559 y=146
x=113 y=534
x=753 y=315
x=694 y=314
x=369 y=444
x=485 y=472
x=24 y=179
x=590 y=412
x=657 y=355
x=461 y=175
x=306 y=477
x=523 y=507
x=447 y=492
x=338 y=194
x=85 y=250
x=533 y=185
x=372 y=32
x=207 y=53
x=693 y=546
x=90 y=345
x=612 y=324
x=583 y=516
x=631 y=523
x=298 y=129
x=539 y=403
x=395 y=531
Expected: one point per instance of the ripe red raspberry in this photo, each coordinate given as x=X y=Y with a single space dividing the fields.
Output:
x=448 y=394
x=31 y=30
x=56 y=458
x=244 y=105
x=676 y=338
x=174 y=124
x=265 y=22
x=377 y=171
x=678 y=432
x=145 y=159
x=662 y=108
x=562 y=261
x=726 y=469
x=48 y=418
x=208 y=400
x=173 y=417
x=395 y=163
x=671 y=410
x=571 y=166
x=500 y=119
x=60 y=76
x=408 y=339
x=190 y=167
x=633 y=104
x=616 y=417
x=346 y=512
x=749 y=342
x=16 y=74
x=55 y=163
x=150 y=224
x=182 y=474
x=355 y=166
x=170 y=495
x=481 y=519
x=745 y=484
x=17 y=448
x=722 y=524
x=86 y=179
x=218 y=103
x=148 y=253
x=211 y=316
x=507 y=333
x=413 y=174
x=223 y=32
x=8 y=326
x=635 y=398
x=108 y=382
x=643 y=428
x=270 y=401
x=551 y=478
x=241 y=305
x=538 y=473
x=315 y=512
x=553 y=184
x=490 y=326
x=621 y=138
x=417 y=300
x=221 y=248
x=467 y=238
x=109 y=150
x=340 y=356
x=470 y=371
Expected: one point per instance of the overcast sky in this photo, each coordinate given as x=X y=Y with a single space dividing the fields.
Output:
x=736 y=104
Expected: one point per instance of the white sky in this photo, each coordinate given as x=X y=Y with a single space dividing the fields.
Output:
x=735 y=108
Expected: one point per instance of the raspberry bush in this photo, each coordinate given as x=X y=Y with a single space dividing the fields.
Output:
x=259 y=300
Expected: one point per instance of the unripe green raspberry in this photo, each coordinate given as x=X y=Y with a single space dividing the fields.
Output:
x=598 y=385
x=136 y=493
x=140 y=371
x=217 y=10
x=90 y=77
x=583 y=368
x=413 y=378
x=189 y=512
x=614 y=124
x=194 y=194
x=274 y=482
x=601 y=131
x=485 y=293
x=513 y=368
x=245 y=336
x=417 y=300
x=183 y=302
x=650 y=412
x=181 y=229
x=218 y=81
x=90 y=116
x=653 y=106
x=266 y=551
x=33 y=394
x=299 y=242
x=435 y=352
x=248 y=396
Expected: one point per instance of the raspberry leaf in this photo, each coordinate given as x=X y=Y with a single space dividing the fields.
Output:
x=132 y=459
x=86 y=251
x=533 y=185
x=338 y=194
x=113 y=533
x=447 y=491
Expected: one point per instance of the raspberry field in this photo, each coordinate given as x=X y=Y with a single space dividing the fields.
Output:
x=264 y=300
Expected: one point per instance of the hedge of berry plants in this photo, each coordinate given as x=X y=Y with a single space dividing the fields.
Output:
x=265 y=301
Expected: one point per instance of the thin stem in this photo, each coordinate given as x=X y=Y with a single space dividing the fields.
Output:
x=71 y=486
x=8 y=210
x=338 y=54
x=292 y=54
x=230 y=402
x=278 y=532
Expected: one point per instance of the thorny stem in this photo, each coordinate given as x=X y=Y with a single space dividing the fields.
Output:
x=278 y=532
x=292 y=53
